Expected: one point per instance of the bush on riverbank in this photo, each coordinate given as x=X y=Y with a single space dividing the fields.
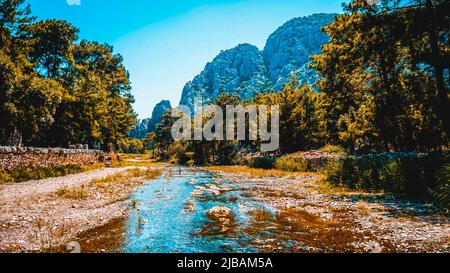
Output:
x=334 y=150
x=421 y=177
x=441 y=194
x=308 y=161
x=264 y=162
x=73 y=193
x=291 y=164
x=5 y=178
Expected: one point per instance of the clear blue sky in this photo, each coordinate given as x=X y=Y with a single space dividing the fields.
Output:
x=165 y=43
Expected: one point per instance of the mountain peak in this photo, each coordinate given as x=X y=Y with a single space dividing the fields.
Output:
x=289 y=48
x=148 y=125
x=246 y=71
x=240 y=70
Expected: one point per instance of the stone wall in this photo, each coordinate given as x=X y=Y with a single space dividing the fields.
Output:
x=16 y=158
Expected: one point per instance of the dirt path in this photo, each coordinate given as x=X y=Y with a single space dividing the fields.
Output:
x=10 y=192
x=309 y=219
x=33 y=218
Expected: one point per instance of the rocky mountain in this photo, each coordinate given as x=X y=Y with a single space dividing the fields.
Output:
x=246 y=71
x=289 y=48
x=158 y=113
x=140 y=130
x=240 y=70
x=148 y=125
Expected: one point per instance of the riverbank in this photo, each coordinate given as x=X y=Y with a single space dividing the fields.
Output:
x=45 y=215
x=111 y=210
x=318 y=219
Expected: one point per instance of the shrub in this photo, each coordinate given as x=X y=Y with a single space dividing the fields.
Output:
x=5 y=178
x=74 y=193
x=131 y=146
x=441 y=193
x=45 y=172
x=403 y=174
x=262 y=163
x=334 y=149
x=291 y=164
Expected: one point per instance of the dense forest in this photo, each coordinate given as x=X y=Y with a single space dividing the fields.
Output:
x=383 y=86
x=56 y=90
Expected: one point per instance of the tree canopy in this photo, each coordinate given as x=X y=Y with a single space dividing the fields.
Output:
x=56 y=90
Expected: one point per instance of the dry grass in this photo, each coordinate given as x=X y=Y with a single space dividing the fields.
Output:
x=326 y=187
x=323 y=186
x=73 y=193
x=144 y=173
x=246 y=171
x=96 y=166
x=146 y=156
x=109 y=184
x=138 y=163
x=334 y=149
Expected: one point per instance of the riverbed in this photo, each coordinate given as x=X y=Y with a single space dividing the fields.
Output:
x=269 y=214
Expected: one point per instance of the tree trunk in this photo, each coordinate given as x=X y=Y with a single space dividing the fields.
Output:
x=15 y=138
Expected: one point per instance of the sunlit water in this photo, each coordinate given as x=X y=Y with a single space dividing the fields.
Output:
x=160 y=222
x=170 y=215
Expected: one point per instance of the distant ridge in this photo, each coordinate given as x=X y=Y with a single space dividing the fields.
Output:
x=148 y=125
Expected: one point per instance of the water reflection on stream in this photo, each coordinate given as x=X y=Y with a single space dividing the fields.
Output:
x=170 y=215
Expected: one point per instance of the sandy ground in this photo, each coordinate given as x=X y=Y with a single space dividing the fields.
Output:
x=314 y=220
x=33 y=218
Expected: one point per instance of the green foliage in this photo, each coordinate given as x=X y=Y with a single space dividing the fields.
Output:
x=45 y=172
x=55 y=91
x=441 y=193
x=131 y=146
x=382 y=77
x=291 y=164
x=180 y=154
x=162 y=138
x=5 y=178
x=403 y=174
x=299 y=123
x=265 y=162
x=335 y=149
x=194 y=152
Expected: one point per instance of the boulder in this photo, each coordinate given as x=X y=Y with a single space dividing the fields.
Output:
x=220 y=214
x=190 y=206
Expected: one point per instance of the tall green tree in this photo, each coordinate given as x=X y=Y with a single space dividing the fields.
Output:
x=51 y=41
x=371 y=68
x=54 y=90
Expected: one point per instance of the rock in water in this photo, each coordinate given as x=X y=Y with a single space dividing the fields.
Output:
x=220 y=214
x=190 y=206
x=223 y=217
